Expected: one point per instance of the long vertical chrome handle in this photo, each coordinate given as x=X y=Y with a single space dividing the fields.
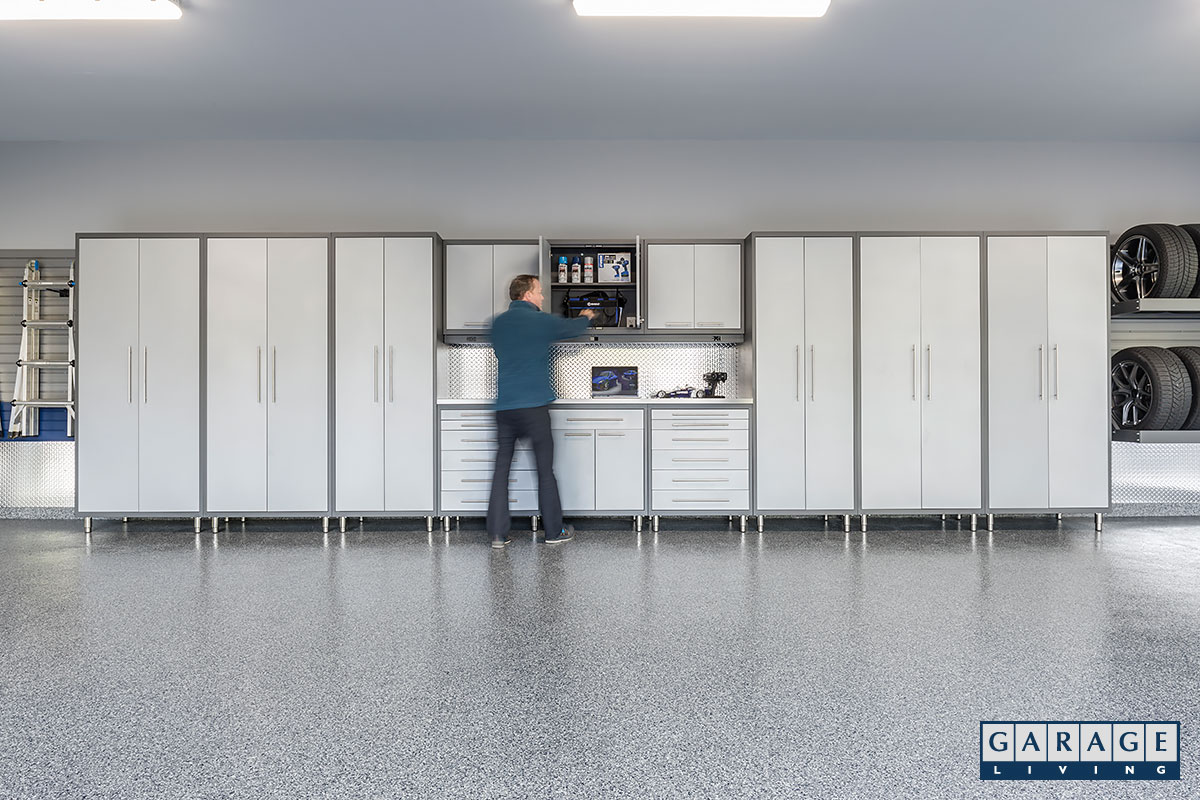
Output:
x=131 y=375
x=797 y=373
x=1041 y=371
x=929 y=369
x=274 y=374
x=1056 y=381
x=146 y=374
x=914 y=372
x=258 y=373
x=375 y=365
x=391 y=373
x=812 y=386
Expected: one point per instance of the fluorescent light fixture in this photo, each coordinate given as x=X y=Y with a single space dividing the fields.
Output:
x=701 y=8
x=88 y=9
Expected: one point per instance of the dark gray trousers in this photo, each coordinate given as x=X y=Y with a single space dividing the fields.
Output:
x=532 y=424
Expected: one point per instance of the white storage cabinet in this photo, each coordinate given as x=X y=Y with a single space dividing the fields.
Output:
x=267 y=382
x=694 y=287
x=384 y=413
x=803 y=291
x=138 y=437
x=700 y=461
x=477 y=279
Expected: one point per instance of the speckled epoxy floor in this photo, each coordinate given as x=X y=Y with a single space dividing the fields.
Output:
x=275 y=662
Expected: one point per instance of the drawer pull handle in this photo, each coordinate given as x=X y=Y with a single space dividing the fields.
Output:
x=579 y=434
x=484 y=480
x=621 y=435
x=484 y=502
x=700 y=414
x=701 y=460
x=700 y=480
x=479 y=441
x=683 y=500
x=474 y=426
x=479 y=461
x=593 y=419
x=697 y=439
x=699 y=424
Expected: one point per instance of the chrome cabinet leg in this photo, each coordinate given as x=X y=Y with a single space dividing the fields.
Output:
x=1099 y=522
x=637 y=523
x=342 y=524
x=1058 y=517
x=846 y=523
x=429 y=524
x=743 y=523
x=654 y=523
x=863 y=522
x=974 y=522
x=446 y=524
x=991 y=522
x=216 y=524
x=87 y=524
x=325 y=524
x=760 y=523
x=199 y=523
x=533 y=523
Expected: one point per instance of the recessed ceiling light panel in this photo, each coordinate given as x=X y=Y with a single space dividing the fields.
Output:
x=88 y=9
x=701 y=8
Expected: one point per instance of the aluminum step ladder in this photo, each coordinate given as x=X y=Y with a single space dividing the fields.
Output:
x=27 y=397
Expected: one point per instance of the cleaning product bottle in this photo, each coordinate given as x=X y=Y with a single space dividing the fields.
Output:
x=576 y=271
x=589 y=269
x=562 y=269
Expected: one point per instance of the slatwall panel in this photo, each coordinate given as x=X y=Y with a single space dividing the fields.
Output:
x=55 y=266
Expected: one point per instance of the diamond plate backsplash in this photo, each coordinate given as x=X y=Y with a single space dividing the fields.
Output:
x=1155 y=479
x=470 y=370
x=37 y=475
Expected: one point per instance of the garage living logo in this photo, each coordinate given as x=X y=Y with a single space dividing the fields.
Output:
x=1079 y=751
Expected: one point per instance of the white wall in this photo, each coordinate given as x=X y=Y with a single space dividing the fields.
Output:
x=48 y=192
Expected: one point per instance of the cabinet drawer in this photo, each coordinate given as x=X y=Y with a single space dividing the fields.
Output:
x=483 y=460
x=699 y=414
x=594 y=419
x=701 y=459
x=476 y=480
x=477 y=501
x=697 y=424
x=706 y=480
x=474 y=440
x=701 y=440
x=722 y=500
x=476 y=414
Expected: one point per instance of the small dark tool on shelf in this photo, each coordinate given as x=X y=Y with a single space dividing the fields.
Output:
x=713 y=379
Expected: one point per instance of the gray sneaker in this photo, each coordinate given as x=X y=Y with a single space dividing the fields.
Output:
x=498 y=544
x=565 y=535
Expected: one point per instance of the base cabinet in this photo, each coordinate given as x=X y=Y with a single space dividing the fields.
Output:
x=599 y=459
x=698 y=458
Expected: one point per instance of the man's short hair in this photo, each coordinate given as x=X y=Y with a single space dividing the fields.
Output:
x=520 y=285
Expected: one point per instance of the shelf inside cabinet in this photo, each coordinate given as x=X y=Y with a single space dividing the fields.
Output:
x=1151 y=307
x=1157 y=437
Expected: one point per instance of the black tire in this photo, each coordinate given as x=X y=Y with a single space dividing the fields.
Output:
x=1193 y=232
x=1190 y=357
x=1151 y=390
x=1153 y=261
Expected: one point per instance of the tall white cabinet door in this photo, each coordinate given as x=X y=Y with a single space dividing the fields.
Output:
x=469 y=293
x=361 y=364
x=1079 y=387
x=575 y=469
x=236 y=412
x=108 y=378
x=952 y=413
x=779 y=396
x=620 y=470
x=890 y=337
x=509 y=261
x=829 y=352
x=1018 y=434
x=718 y=277
x=298 y=411
x=671 y=279
x=169 y=415
x=409 y=391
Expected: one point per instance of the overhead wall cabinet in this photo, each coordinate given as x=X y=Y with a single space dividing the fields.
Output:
x=1048 y=367
x=267 y=376
x=384 y=388
x=138 y=443
x=920 y=373
x=803 y=300
x=477 y=279
x=694 y=287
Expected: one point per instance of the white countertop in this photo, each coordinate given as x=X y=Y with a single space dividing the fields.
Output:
x=619 y=401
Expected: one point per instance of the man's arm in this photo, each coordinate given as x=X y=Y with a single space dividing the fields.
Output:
x=564 y=328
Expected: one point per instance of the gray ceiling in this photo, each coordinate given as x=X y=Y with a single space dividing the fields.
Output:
x=1108 y=70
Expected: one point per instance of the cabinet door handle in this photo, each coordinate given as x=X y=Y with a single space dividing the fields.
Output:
x=1041 y=371
x=375 y=367
x=797 y=373
x=391 y=373
x=580 y=434
x=274 y=374
x=914 y=372
x=1056 y=381
x=679 y=324
x=621 y=435
x=146 y=374
x=474 y=324
x=710 y=324
x=812 y=387
x=258 y=373
x=130 y=375
x=929 y=369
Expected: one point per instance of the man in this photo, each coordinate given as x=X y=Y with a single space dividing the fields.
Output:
x=521 y=338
